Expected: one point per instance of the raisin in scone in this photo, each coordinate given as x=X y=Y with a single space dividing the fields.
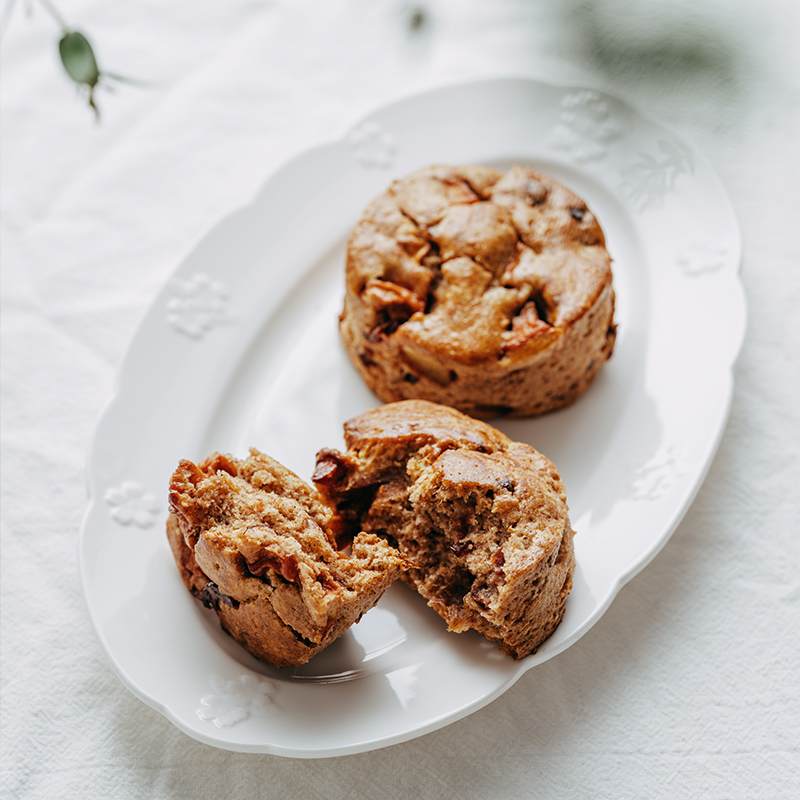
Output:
x=252 y=541
x=487 y=292
x=483 y=518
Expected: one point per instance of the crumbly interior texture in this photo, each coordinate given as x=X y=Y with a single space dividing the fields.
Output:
x=488 y=292
x=253 y=542
x=483 y=518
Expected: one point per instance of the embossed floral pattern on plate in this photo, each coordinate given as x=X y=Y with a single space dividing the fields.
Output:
x=234 y=700
x=646 y=182
x=703 y=257
x=585 y=126
x=659 y=474
x=130 y=503
x=197 y=305
x=372 y=145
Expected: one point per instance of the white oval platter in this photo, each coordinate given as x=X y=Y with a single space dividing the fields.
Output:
x=241 y=348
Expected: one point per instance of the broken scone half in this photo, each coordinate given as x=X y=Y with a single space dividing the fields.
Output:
x=484 y=519
x=252 y=541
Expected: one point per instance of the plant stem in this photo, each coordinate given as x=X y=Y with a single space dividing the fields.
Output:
x=48 y=6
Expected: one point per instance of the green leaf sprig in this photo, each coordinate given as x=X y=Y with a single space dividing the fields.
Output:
x=78 y=59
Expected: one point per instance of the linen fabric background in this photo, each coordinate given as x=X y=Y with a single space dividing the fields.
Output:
x=688 y=686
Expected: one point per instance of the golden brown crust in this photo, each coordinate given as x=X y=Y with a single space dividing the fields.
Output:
x=488 y=292
x=253 y=542
x=483 y=518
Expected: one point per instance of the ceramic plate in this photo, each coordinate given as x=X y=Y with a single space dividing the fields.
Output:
x=241 y=348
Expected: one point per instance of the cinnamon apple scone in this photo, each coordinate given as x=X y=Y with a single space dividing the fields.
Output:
x=488 y=292
x=253 y=542
x=483 y=519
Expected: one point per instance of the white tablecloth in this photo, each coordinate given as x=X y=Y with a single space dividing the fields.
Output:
x=688 y=686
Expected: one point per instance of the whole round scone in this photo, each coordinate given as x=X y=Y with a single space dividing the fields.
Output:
x=483 y=519
x=487 y=292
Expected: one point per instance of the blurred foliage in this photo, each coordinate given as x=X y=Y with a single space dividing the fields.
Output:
x=75 y=52
x=78 y=59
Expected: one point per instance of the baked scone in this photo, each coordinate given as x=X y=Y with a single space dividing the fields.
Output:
x=487 y=292
x=252 y=541
x=483 y=518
